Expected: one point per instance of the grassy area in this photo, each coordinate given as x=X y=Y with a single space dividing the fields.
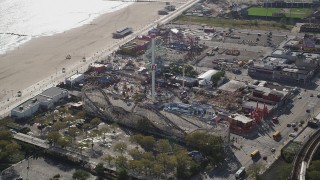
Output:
x=298 y=13
x=257 y=11
x=243 y=24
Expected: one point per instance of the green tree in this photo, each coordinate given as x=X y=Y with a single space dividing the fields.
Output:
x=254 y=170
x=64 y=141
x=135 y=166
x=95 y=122
x=108 y=158
x=135 y=154
x=147 y=142
x=122 y=175
x=120 y=147
x=284 y=171
x=121 y=162
x=157 y=170
x=80 y=115
x=5 y=135
x=184 y=162
x=99 y=169
x=58 y=126
x=80 y=174
x=147 y=166
x=148 y=156
x=216 y=77
x=54 y=136
x=168 y=162
x=208 y=144
x=73 y=132
x=313 y=175
x=163 y=145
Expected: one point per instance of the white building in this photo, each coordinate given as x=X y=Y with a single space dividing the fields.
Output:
x=76 y=78
x=205 y=78
x=45 y=100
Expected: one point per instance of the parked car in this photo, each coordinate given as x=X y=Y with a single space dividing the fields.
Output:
x=288 y=125
x=275 y=120
x=293 y=134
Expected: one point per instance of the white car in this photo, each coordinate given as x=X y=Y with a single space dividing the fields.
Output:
x=293 y=134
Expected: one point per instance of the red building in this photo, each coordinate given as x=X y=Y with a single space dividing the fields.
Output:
x=241 y=123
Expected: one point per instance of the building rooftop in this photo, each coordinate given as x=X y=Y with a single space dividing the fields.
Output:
x=208 y=74
x=241 y=118
x=73 y=77
x=253 y=105
x=292 y=43
x=232 y=86
x=30 y=103
x=53 y=91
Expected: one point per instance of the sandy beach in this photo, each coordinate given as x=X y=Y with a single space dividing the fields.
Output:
x=46 y=56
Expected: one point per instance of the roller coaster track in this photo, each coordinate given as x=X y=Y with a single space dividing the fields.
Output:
x=304 y=157
x=166 y=119
x=92 y=105
x=96 y=108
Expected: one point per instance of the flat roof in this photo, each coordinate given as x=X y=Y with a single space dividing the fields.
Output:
x=31 y=103
x=207 y=74
x=232 y=86
x=253 y=105
x=241 y=118
x=53 y=91
x=75 y=76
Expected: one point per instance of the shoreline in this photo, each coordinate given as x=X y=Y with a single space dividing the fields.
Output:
x=93 y=41
x=44 y=56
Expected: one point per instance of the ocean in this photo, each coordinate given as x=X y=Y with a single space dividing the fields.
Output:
x=22 y=20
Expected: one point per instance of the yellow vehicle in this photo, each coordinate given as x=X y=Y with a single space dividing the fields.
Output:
x=276 y=134
x=255 y=153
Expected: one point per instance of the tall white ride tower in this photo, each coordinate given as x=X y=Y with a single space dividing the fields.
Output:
x=154 y=67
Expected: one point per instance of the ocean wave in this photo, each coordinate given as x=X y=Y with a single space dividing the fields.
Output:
x=22 y=20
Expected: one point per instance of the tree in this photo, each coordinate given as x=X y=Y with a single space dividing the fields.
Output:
x=254 y=170
x=95 y=122
x=108 y=158
x=5 y=135
x=120 y=147
x=121 y=162
x=216 y=77
x=157 y=170
x=147 y=142
x=135 y=166
x=167 y=161
x=147 y=166
x=80 y=115
x=99 y=169
x=284 y=171
x=64 y=141
x=80 y=174
x=73 y=132
x=58 y=126
x=184 y=162
x=135 y=154
x=122 y=175
x=313 y=175
x=54 y=136
x=208 y=144
x=148 y=156
x=163 y=146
